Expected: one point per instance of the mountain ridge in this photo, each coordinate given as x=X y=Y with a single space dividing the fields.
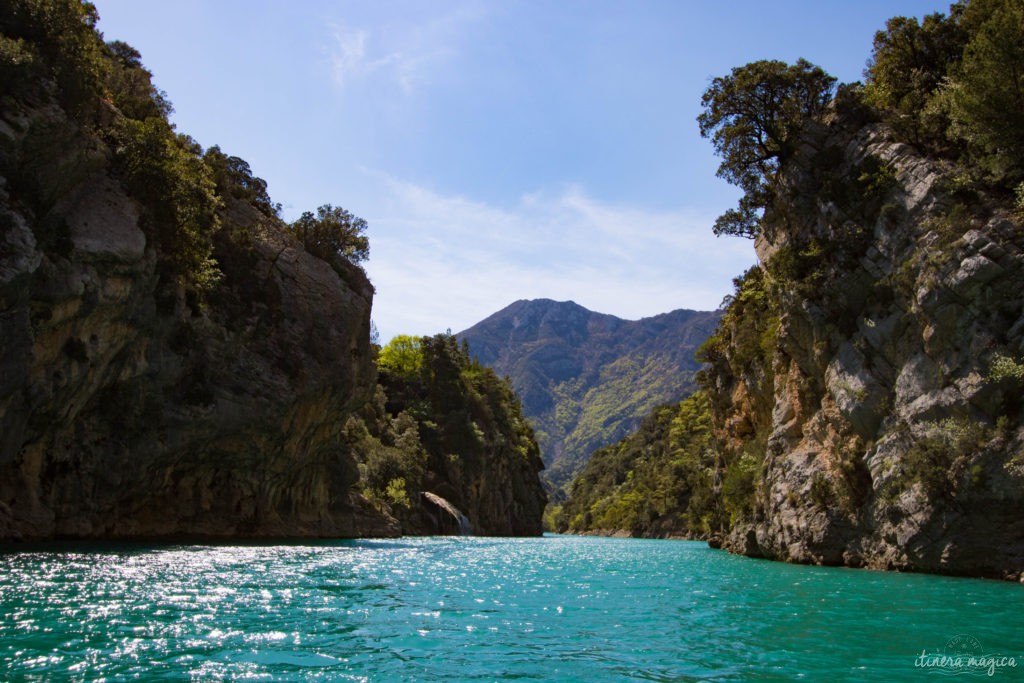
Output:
x=588 y=378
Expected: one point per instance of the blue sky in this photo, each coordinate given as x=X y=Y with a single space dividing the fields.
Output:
x=499 y=150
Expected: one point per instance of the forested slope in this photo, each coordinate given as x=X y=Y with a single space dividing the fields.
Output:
x=587 y=379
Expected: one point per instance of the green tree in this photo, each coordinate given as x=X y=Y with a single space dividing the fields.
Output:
x=165 y=171
x=909 y=61
x=658 y=479
x=986 y=89
x=235 y=179
x=130 y=84
x=461 y=421
x=402 y=357
x=753 y=117
x=53 y=41
x=331 y=233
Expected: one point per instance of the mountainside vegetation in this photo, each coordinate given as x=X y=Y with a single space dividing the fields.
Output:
x=657 y=482
x=863 y=384
x=443 y=423
x=175 y=359
x=586 y=379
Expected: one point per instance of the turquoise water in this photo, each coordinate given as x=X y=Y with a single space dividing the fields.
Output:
x=484 y=609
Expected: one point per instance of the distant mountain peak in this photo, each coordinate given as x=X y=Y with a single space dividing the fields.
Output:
x=587 y=378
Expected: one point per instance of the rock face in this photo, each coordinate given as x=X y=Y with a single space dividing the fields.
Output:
x=127 y=409
x=447 y=519
x=452 y=431
x=884 y=390
x=587 y=379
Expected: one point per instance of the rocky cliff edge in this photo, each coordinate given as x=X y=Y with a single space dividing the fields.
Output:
x=874 y=364
x=128 y=408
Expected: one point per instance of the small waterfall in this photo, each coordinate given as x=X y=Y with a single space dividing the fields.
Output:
x=465 y=528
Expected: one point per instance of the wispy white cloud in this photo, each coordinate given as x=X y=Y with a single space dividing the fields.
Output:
x=408 y=54
x=349 y=55
x=443 y=261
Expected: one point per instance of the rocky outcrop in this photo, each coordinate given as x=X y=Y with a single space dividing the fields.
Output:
x=128 y=407
x=885 y=395
x=493 y=492
x=458 y=445
x=447 y=519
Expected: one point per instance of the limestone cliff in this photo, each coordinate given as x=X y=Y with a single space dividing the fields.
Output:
x=446 y=426
x=866 y=380
x=175 y=360
x=130 y=407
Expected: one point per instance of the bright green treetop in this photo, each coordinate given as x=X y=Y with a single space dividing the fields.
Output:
x=402 y=357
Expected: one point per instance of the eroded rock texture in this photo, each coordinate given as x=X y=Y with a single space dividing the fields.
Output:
x=128 y=408
x=869 y=385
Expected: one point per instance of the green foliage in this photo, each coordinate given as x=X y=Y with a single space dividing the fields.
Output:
x=53 y=44
x=17 y=59
x=402 y=357
x=748 y=330
x=442 y=419
x=876 y=179
x=592 y=413
x=235 y=179
x=986 y=88
x=942 y=460
x=1005 y=368
x=949 y=227
x=957 y=80
x=909 y=63
x=387 y=447
x=396 y=493
x=739 y=486
x=166 y=173
x=331 y=233
x=741 y=353
x=753 y=117
x=821 y=491
x=130 y=84
x=863 y=192
x=656 y=481
x=801 y=266
x=554 y=518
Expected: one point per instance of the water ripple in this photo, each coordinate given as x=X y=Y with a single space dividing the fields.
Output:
x=457 y=609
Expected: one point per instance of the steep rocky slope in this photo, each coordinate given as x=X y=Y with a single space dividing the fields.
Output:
x=866 y=381
x=445 y=427
x=586 y=379
x=173 y=362
x=127 y=409
x=864 y=385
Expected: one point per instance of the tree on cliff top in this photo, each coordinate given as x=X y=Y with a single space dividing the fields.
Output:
x=986 y=88
x=955 y=83
x=753 y=117
x=331 y=233
x=909 y=62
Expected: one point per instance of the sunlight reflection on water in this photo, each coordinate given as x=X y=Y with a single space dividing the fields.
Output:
x=462 y=609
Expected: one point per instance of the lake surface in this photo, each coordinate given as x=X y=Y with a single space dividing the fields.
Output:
x=484 y=609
